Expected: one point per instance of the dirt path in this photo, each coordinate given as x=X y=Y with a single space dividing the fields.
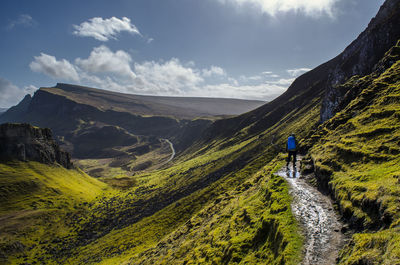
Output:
x=172 y=150
x=319 y=222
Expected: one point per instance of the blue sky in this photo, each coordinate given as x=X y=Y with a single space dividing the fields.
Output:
x=216 y=48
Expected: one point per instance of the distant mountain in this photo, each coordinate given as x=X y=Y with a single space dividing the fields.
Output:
x=70 y=110
x=178 y=107
x=2 y=110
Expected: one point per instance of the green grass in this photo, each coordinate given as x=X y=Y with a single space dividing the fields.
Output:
x=373 y=248
x=358 y=150
x=249 y=224
x=35 y=186
x=240 y=215
x=36 y=201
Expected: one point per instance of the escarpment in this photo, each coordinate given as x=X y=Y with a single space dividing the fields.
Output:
x=25 y=142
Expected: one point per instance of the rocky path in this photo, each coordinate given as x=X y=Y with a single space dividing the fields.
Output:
x=320 y=224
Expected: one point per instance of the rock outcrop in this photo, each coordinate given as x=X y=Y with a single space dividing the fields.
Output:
x=361 y=56
x=25 y=142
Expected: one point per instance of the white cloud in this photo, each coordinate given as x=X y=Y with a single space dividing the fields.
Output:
x=10 y=94
x=105 y=29
x=255 y=78
x=115 y=71
x=313 y=8
x=24 y=20
x=298 y=71
x=213 y=70
x=282 y=82
x=103 y=60
x=50 y=66
x=167 y=77
x=259 y=92
x=270 y=74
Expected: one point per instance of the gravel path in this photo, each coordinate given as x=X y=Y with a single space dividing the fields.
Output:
x=320 y=224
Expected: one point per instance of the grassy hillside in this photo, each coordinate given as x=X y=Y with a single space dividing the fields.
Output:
x=227 y=193
x=37 y=201
x=221 y=198
x=357 y=157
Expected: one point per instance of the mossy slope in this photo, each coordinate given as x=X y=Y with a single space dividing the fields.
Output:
x=357 y=158
x=36 y=201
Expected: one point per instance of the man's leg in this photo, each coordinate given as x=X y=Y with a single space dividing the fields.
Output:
x=294 y=158
x=288 y=159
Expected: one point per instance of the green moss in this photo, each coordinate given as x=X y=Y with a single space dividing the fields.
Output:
x=358 y=154
x=34 y=186
x=373 y=248
x=37 y=202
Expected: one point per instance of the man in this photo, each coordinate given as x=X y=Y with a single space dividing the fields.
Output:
x=291 y=148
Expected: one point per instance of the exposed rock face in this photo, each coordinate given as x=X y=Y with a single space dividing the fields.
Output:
x=361 y=56
x=27 y=143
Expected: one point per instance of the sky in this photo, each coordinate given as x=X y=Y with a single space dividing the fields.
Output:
x=250 y=49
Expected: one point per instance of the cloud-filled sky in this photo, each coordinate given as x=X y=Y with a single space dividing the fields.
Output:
x=250 y=49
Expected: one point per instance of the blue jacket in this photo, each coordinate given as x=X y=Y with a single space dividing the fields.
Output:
x=291 y=144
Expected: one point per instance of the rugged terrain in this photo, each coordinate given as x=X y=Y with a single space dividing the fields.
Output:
x=220 y=200
x=98 y=126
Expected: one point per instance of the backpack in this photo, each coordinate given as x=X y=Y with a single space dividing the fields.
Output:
x=291 y=143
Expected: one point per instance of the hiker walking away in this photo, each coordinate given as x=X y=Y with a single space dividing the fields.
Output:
x=291 y=148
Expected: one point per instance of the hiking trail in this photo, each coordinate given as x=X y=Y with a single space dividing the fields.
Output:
x=172 y=150
x=315 y=213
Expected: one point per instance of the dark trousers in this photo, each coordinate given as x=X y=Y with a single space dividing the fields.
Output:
x=290 y=154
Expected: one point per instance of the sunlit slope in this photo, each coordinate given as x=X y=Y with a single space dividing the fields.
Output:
x=221 y=206
x=37 y=201
x=357 y=158
x=251 y=224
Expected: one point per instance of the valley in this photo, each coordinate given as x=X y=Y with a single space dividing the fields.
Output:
x=164 y=180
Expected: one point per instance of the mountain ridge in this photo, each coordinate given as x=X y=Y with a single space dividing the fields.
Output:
x=319 y=83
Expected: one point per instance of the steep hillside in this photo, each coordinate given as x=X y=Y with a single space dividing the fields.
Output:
x=357 y=159
x=37 y=199
x=320 y=85
x=38 y=202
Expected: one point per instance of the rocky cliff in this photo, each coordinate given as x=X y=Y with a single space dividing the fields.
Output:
x=27 y=143
x=361 y=56
x=319 y=89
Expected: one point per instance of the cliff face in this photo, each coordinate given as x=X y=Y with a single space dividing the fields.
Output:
x=27 y=143
x=320 y=87
x=361 y=56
